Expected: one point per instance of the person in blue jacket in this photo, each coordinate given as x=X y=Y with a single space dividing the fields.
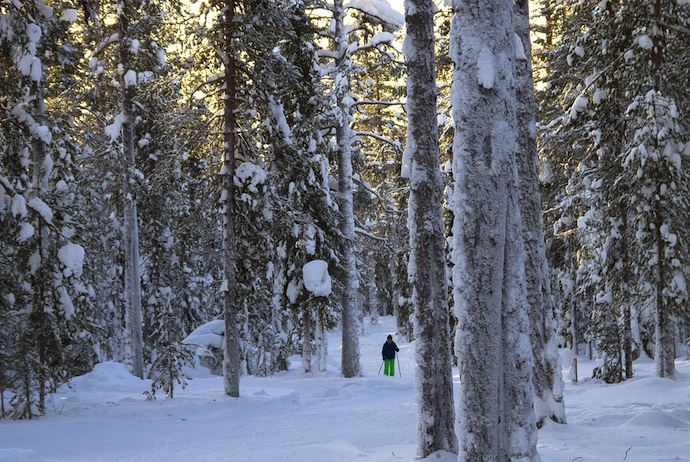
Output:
x=388 y=353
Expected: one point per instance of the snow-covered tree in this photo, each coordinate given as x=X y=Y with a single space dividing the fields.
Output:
x=427 y=264
x=548 y=383
x=606 y=77
x=41 y=262
x=495 y=411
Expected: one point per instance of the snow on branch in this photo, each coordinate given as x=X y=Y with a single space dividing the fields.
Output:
x=366 y=233
x=378 y=9
x=112 y=38
x=366 y=102
x=394 y=144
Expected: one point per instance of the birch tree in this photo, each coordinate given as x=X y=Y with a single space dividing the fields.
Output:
x=427 y=264
x=546 y=375
x=495 y=409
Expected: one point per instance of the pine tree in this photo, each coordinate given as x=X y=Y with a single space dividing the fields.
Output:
x=427 y=266
x=41 y=265
x=547 y=379
x=495 y=410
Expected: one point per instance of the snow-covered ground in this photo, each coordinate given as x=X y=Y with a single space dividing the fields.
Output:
x=104 y=416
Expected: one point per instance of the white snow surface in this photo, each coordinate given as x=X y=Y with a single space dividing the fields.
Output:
x=316 y=278
x=103 y=416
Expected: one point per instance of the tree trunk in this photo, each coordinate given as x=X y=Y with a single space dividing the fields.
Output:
x=307 y=334
x=546 y=373
x=574 y=303
x=344 y=136
x=664 y=355
x=373 y=294
x=495 y=409
x=135 y=317
x=427 y=264
x=231 y=354
x=625 y=287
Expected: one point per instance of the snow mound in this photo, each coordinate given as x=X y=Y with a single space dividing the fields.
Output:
x=207 y=335
x=109 y=376
x=316 y=278
x=654 y=419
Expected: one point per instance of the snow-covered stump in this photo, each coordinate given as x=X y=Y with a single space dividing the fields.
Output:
x=427 y=265
x=496 y=409
x=546 y=374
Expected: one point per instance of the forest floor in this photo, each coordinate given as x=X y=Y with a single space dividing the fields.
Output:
x=104 y=417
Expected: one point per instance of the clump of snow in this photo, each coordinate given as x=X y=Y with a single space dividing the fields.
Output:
x=69 y=15
x=316 y=278
x=25 y=232
x=598 y=96
x=72 y=257
x=379 y=9
x=18 y=207
x=66 y=302
x=42 y=208
x=381 y=37
x=113 y=130
x=579 y=105
x=130 y=78
x=293 y=290
x=134 y=46
x=486 y=68
x=33 y=35
x=645 y=42
x=250 y=174
x=519 y=49
x=207 y=335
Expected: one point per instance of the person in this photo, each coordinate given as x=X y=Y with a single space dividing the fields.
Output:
x=388 y=353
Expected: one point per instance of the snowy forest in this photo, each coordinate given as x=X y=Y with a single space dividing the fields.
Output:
x=205 y=203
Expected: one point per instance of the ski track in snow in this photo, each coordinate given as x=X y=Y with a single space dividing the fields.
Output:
x=293 y=417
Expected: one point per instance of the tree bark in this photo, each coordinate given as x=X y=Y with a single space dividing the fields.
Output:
x=135 y=319
x=231 y=354
x=307 y=334
x=344 y=136
x=627 y=324
x=427 y=264
x=496 y=408
x=546 y=373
